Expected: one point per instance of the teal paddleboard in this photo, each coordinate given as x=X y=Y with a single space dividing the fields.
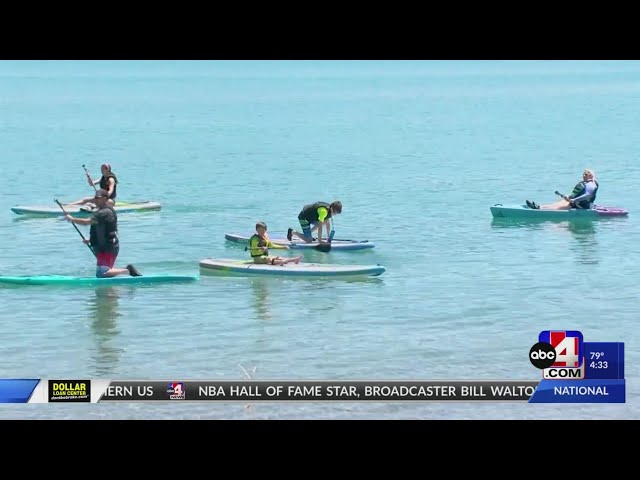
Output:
x=94 y=281
x=78 y=211
x=523 y=211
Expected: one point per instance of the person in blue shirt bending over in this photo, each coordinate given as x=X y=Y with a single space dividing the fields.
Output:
x=583 y=195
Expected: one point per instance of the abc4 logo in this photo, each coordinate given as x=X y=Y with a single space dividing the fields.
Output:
x=542 y=355
x=559 y=362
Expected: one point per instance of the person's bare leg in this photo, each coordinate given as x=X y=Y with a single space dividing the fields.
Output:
x=81 y=202
x=302 y=237
x=113 y=272
x=284 y=261
x=559 y=205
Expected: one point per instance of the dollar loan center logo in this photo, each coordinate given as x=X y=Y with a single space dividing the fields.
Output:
x=559 y=354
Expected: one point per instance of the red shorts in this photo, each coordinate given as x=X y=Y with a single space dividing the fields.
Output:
x=106 y=259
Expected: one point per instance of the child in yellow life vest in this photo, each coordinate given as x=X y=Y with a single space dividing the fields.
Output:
x=259 y=245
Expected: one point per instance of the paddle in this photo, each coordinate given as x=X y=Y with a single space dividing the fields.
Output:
x=326 y=247
x=76 y=227
x=344 y=240
x=563 y=196
x=323 y=247
x=89 y=177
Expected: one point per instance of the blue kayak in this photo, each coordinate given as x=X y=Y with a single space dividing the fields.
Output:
x=95 y=281
x=523 y=211
x=282 y=240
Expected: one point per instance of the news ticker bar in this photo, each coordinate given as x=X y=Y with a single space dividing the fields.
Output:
x=103 y=391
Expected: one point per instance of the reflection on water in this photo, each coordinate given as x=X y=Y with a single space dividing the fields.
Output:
x=527 y=224
x=585 y=240
x=103 y=314
x=538 y=223
x=322 y=294
x=582 y=232
x=260 y=290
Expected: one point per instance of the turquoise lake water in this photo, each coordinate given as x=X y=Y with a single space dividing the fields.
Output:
x=417 y=151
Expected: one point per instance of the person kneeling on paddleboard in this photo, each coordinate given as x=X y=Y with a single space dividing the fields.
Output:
x=314 y=216
x=583 y=195
x=103 y=237
x=259 y=245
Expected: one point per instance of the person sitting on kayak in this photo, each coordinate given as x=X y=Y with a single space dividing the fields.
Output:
x=103 y=237
x=314 y=216
x=108 y=181
x=583 y=195
x=259 y=245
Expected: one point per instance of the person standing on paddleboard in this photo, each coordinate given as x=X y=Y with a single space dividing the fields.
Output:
x=108 y=181
x=103 y=237
x=313 y=217
x=259 y=245
x=583 y=195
